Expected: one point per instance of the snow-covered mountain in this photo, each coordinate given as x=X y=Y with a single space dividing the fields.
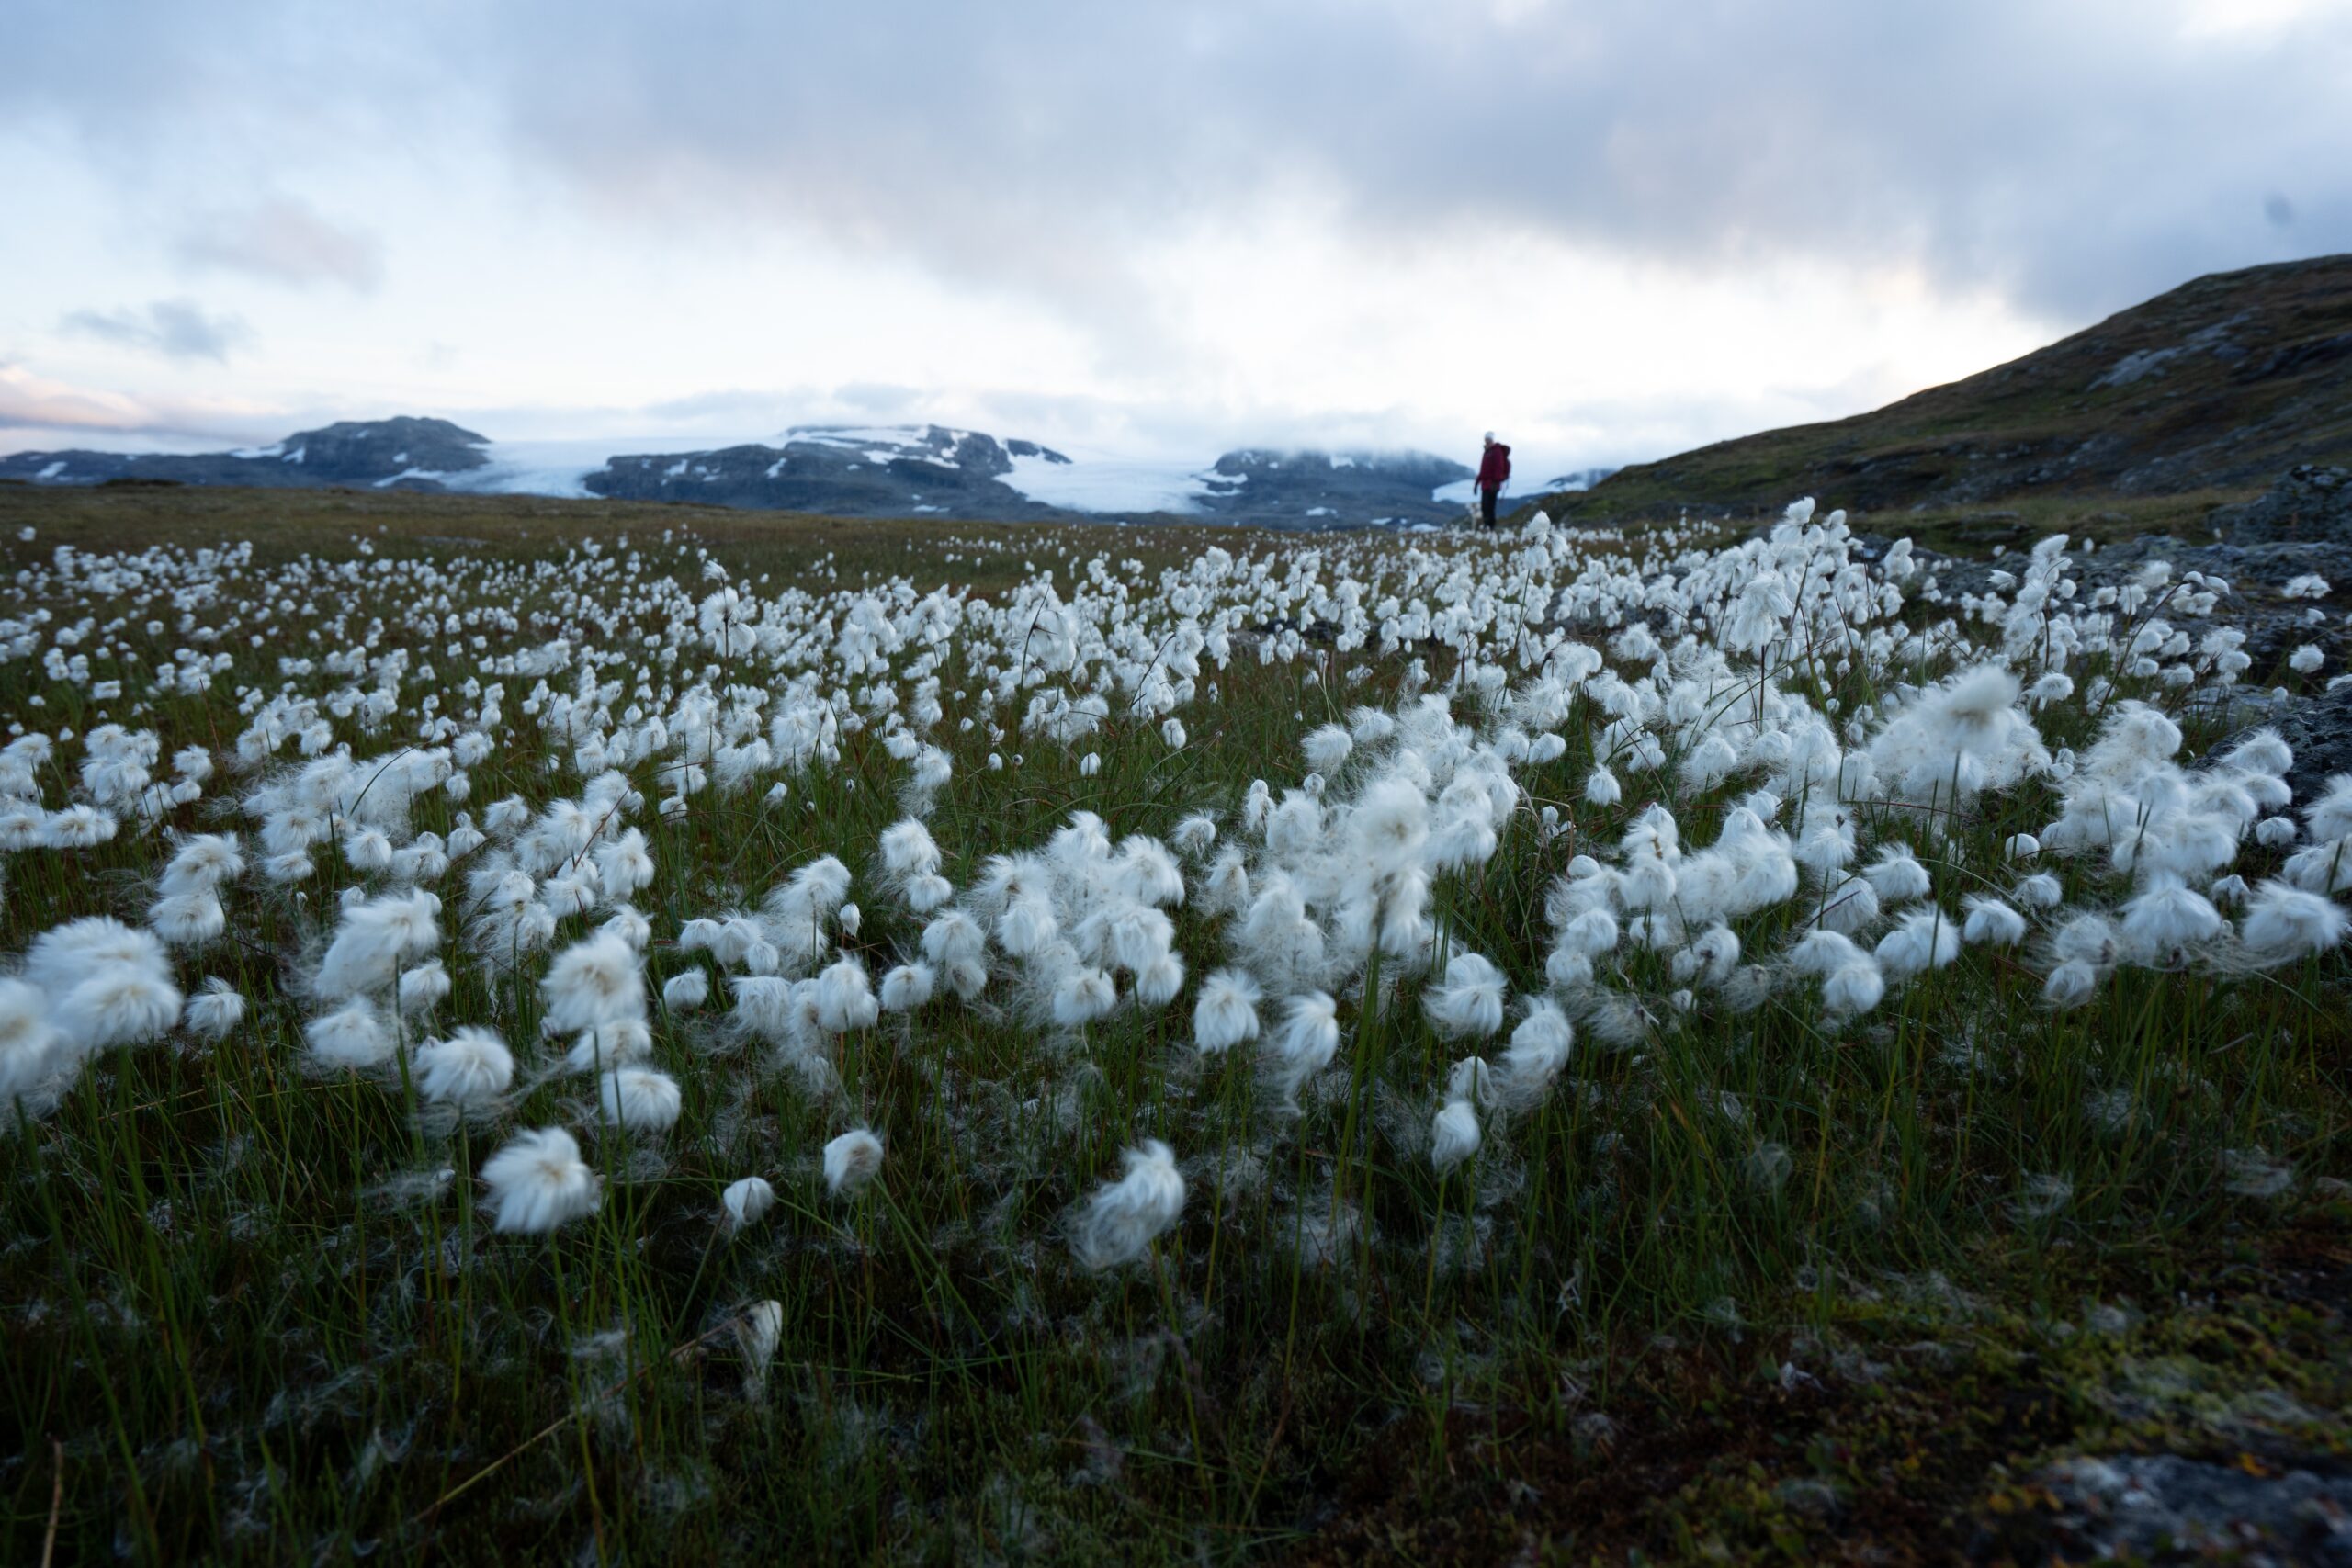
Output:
x=840 y=471
x=404 y=453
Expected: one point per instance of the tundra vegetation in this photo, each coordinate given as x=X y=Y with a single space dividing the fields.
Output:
x=971 y=1044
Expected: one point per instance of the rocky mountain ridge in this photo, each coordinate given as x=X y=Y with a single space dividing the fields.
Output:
x=404 y=453
x=836 y=470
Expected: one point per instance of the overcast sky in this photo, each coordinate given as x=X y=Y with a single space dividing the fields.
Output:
x=1609 y=229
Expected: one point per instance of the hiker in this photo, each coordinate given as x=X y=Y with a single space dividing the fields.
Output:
x=1494 y=472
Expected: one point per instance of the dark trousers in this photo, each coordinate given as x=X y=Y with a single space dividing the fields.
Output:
x=1486 y=494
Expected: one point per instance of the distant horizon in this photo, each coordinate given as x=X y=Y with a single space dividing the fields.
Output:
x=1524 y=473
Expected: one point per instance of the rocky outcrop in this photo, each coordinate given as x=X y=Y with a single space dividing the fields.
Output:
x=2170 y=1508
x=842 y=472
x=384 y=453
x=2312 y=504
x=1324 y=489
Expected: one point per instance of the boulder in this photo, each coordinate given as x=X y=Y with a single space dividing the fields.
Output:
x=2313 y=504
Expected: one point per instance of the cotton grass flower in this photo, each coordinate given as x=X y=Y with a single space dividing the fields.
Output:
x=422 y=988
x=1227 y=1013
x=29 y=1043
x=757 y=1334
x=686 y=991
x=1307 y=1040
x=2284 y=923
x=187 y=919
x=1454 y=1135
x=538 y=1181
x=376 y=937
x=1926 y=939
x=593 y=982
x=851 y=1161
x=1468 y=1004
x=746 y=1201
x=351 y=1038
x=1124 y=1217
x=1990 y=922
x=643 y=1100
x=214 y=1011
x=122 y=998
x=1538 y=1051
x=472 y=1066
x=909 y=987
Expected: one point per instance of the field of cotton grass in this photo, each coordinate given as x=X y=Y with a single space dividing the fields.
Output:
x=593 y=1052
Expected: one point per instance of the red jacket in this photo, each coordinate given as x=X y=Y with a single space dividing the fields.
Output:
x=1494 y=469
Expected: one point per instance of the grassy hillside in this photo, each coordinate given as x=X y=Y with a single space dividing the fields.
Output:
x=2217 y=385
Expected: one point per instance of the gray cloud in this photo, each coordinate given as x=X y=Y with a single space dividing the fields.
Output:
x=176 y=329
x=2066 y=160
x=286 y=239
x=2075 y=158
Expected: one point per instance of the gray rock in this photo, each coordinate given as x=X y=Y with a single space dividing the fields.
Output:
x=2312 y=504
x=2165 y=1508
x=2319 y=729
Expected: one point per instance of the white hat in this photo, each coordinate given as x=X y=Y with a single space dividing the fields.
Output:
x=1490 y=435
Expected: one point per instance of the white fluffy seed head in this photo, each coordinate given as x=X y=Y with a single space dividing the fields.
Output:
x=472 y=1066
x=851 y=1161
x=352 y=1037
x=1924 y=939
x=1160 y=981
x=1538 y=1051
x=29 y=1045
x=375 y=938
x=1990 y=922
x=686 y=991
x=643 y=1100
x=1468 y=1003
x=1124 y=1217
x=1227 y=1013
x=593 y=982
x=1454 y=1135
x=909 y=987
x=2284 y=923
x=214 y=1011
x=422 y=988
x=538 y=1181
x=746 y=1201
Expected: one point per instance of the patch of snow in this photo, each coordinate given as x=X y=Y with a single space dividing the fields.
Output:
x=561 y=467
x=1340 y=460
x=881 y=445
x=675 y=469
x=276 y=448
x=777 y=466
x=1090 y=483
x=400 y=456
x=52 y=472
x=1321 y=512
x=296 y=455
x=409 y=474
x=931 y=509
